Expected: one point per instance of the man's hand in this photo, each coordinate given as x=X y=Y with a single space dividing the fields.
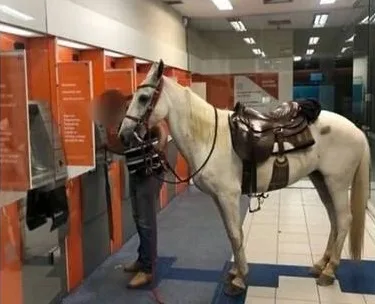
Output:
x=162 y=137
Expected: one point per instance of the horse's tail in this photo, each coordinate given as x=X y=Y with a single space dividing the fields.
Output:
x=358 y=199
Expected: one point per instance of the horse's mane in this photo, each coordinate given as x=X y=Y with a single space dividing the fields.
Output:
x=201 y=116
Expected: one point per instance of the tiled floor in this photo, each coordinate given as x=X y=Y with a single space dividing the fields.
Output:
x=292 y=229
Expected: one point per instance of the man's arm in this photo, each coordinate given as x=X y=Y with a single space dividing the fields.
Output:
x=162 y=137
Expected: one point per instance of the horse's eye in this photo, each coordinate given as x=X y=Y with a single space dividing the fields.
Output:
x=143 y=98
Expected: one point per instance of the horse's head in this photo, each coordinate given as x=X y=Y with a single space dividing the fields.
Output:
x=146 y=107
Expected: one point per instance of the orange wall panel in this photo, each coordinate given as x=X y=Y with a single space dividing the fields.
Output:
x=10 y=255
x=65 y=54
x=182 y=171
x=116 y=202
x=73 y=241
x=220 y=89
x=7 y=41
x=98 y=65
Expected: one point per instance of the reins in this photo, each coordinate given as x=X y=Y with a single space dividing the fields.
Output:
x=181 y=181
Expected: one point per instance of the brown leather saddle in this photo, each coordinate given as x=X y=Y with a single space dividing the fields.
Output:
x=257 y=136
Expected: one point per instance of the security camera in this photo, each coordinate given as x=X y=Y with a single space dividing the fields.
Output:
x=185 y=21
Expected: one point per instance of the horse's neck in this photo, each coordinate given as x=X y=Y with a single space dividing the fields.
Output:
x=191 y=123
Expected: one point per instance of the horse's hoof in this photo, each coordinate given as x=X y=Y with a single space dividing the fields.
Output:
x=315 y=271
x=325 y=280
x=233 y=290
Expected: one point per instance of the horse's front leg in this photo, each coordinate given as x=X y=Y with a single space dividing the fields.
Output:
x=228 y=204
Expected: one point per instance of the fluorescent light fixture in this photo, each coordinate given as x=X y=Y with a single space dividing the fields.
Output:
x=320 y=20
x=313 y=40
x=322 y=2
x=344 y=49
x=223 y=5
x=17 y=31
x=297 y=58
x=113 y=54
x=238 y=26
x=351 y=39
x=263 y=54
x=366 y=19
x=310 y=51
x=257 y=51
x=249 y=40
x=14 y=13
x=73 y=45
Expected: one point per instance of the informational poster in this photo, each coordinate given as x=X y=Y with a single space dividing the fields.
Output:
x=14 y=128
x=74 y=106
x=119 y=79
x=256 y=88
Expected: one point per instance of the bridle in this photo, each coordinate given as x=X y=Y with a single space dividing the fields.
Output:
x=143 y=121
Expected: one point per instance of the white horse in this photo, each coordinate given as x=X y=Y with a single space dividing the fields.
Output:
x=338 y=160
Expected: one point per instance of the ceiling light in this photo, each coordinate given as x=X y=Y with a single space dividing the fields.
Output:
x=113 y=54
x=351 y=39
x=17 y=31
x=257 y=51
x=322 y=2
x=366 y=20
x=249 y=40
x=313 y=40
x=14 y=13
x=320 y=20
x=73 y=45
x=297 y=58
x=238 y=26
x=344 y=49
x=263 y=54
x=223 y=5
x=310 y=52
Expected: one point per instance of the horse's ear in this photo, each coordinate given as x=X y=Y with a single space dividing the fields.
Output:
x=160 y=70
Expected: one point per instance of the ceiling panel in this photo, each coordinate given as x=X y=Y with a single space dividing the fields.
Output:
x=206 y=8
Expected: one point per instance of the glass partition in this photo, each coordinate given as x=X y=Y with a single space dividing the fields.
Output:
x=31 y=157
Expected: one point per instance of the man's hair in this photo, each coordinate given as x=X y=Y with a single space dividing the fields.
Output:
x=114 y=99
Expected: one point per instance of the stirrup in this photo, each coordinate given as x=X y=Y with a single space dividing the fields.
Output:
x=260 y=198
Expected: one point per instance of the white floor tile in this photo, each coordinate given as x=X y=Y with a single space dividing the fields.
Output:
x=370 y=299
x=293 y=228
x=295 y=302
x=303 y=289
x=261 y=292
x=333 y=294
x=292 y=248
x=294 y=259
x=263 y=229
x=265 y=218
x=255 y=300
x=319 y=229
x=261 y=257
x=290 y=220
x=296 y=238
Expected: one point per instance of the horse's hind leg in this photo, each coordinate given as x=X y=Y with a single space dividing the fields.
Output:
x=228 y=205
x=339 y=193
x=318 y=180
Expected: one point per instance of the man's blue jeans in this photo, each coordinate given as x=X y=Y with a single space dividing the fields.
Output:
x=144 y=191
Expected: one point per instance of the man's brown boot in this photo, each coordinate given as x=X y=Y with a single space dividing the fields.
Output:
x=132 y=267
x=140 y=279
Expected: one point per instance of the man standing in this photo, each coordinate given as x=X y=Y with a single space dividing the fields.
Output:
x=145 y=181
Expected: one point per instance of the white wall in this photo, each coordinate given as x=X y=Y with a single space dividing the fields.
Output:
x=147 y=29
x=82 y=22
x=283 y=66
x=33 y=8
